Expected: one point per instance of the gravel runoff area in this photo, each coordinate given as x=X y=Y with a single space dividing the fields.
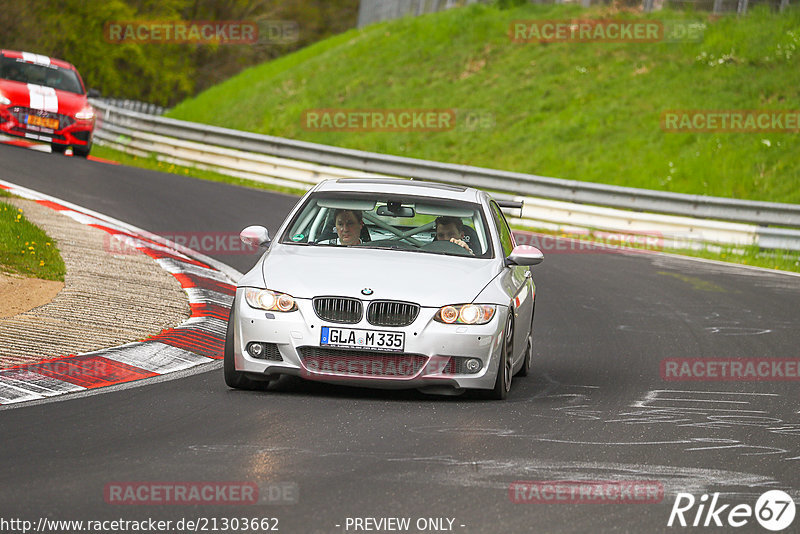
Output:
x=108 y=299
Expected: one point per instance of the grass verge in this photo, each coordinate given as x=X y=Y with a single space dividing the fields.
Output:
x=587 y=111
x=25 y=248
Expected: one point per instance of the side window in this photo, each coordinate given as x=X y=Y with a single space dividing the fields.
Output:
x=506 y=239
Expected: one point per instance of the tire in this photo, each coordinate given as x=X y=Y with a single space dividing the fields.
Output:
x=233 y=378
x=526 y=365
x=82 y=151
x=58 y=149
x=502 y=383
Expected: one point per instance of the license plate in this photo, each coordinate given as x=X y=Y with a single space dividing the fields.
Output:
x=362 y=339
x=34 y=120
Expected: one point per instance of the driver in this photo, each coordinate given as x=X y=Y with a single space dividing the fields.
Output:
x=348 y=226
x=451 y=229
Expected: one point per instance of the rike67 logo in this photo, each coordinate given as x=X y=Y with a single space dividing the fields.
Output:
x=774 y=510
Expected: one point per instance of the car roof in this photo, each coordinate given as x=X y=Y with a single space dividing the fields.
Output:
x=38 y=59
x=401 y=186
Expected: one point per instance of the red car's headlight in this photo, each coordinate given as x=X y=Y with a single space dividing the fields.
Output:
x=85 y=114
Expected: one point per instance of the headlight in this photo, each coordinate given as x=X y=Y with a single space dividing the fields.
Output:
x=3 y=100
x=465 y=314
x=85 y=114
x=264 y=299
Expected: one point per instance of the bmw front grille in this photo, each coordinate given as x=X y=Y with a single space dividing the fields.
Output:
x=338 y=309
x=392 y=313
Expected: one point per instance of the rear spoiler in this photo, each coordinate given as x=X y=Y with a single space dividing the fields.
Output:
x=512 y=204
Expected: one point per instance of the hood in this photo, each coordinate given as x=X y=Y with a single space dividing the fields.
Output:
x=431 y=280
x=41 y=97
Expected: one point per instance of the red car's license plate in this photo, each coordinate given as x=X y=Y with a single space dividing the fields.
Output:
x=44 y=122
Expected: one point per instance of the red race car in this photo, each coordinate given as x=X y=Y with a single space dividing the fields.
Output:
x=44 y=99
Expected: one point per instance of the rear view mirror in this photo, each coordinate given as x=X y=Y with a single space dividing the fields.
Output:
x=395 y=211
x=255 y=236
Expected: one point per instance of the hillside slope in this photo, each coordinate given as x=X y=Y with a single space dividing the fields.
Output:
x=576 y=110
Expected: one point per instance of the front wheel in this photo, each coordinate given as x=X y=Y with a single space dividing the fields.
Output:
x=526 y=365
x=82 y=151
x=58 y=149
x=502 y=384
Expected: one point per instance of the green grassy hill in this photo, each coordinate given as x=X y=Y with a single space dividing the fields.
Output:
x=583 y=111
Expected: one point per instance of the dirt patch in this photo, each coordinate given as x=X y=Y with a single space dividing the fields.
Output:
x=19 y=294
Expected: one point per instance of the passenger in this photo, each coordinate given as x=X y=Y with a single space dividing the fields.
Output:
x=348 y=226
x=451 y=229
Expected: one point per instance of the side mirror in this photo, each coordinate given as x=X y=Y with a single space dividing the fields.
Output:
x=255 y=236
x=525 y=255
x=93 y=93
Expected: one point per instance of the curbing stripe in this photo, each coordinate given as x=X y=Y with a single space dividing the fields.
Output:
x=172 y=266
x=199 y=295
x=196 y=341
x=210 y=310
x=17 y=385
x=208 y=284
x=215 y=327
x=192 y=280
x=10 y=394
x=89 y=370
x=155 y=357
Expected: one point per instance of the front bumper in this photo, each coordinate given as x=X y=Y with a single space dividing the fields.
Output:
x=429 y=344
x=76 y=132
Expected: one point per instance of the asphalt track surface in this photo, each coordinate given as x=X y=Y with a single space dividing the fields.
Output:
x=595 y=407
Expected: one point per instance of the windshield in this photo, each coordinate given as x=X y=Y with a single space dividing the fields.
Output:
x=47 y=75
x=381 y=221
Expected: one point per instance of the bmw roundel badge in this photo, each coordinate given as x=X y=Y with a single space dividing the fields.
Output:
x=366 y=291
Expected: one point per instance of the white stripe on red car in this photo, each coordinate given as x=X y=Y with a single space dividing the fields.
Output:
x=44 y=98
x=36 y=58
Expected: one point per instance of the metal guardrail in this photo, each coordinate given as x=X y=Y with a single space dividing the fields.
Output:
x=287 y=162
x=136 y=105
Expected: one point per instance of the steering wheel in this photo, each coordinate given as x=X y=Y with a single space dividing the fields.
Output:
x=446 y=246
